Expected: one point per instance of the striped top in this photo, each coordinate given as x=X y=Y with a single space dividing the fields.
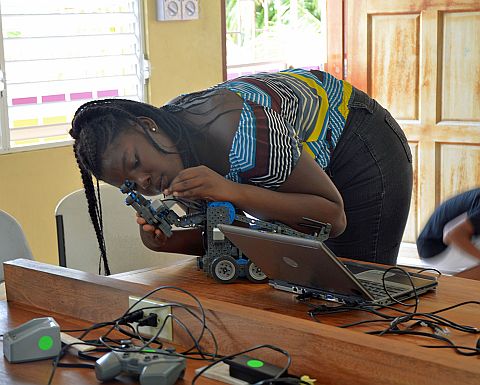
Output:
x=282 y=113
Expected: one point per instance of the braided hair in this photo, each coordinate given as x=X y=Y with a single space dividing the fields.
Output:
x=98 y=123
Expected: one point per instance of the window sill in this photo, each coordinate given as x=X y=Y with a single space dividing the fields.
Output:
x=34 y=147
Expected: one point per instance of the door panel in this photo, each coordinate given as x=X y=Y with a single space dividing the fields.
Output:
x=460 y=96
x=421 y=60
x=386 y=84
x=458 y=166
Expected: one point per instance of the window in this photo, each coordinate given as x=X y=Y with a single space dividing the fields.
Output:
x=272 y=35
x=58 y=54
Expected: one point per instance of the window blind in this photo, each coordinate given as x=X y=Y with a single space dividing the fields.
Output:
x=59 y=54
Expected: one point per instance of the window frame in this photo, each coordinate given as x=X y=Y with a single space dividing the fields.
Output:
x=144 y=75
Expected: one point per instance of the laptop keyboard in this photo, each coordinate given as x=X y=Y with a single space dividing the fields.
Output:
x=377 y=290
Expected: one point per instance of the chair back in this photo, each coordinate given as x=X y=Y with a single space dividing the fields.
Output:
x=78 y=245
x=13 y=243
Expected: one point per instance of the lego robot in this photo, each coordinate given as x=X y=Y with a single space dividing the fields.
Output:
x=222 y=260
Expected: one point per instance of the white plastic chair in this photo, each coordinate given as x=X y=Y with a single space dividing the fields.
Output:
x=77 y=242
x=13 y=243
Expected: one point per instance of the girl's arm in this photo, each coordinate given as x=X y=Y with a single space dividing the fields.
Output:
x=308 y=192
x=187 y=241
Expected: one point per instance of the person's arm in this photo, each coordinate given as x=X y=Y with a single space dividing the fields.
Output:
x=188 y=241
x=460 y=235
x=307 y=192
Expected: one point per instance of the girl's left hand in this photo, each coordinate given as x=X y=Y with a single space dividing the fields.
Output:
x=201 y=183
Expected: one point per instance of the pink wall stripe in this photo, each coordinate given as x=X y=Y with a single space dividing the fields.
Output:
x=53 y=98
x=107 y=93
x=29 y=100
x=81 y=95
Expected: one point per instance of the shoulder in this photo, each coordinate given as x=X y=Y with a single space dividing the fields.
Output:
x=174 y=100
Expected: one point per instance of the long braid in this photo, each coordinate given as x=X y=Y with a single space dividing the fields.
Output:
x=93 y=209
x=106 y=268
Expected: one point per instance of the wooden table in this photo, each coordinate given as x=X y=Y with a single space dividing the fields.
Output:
x=243 y=314
x=38 y=372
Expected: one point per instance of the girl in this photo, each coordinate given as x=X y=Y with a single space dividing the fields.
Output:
x=279 y=146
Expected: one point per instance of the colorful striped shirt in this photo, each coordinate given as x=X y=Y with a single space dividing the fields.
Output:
x=282 y=114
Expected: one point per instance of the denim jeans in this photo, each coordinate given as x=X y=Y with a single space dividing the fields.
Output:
x=372 y=168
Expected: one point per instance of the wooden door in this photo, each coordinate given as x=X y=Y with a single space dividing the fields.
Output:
x=421 y=60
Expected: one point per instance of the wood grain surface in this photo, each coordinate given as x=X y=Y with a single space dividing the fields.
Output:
x=243 y=314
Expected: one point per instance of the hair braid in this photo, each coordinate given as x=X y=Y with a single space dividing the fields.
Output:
x=93 y=210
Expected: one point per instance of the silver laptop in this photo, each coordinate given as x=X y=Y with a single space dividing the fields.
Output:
x=307 y=266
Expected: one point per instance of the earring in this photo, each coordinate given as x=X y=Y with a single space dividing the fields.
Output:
x=154 y=129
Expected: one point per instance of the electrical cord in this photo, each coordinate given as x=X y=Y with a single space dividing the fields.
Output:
x=171 y=288
x=439 y=273
x=129 y=315
x=411 y=283
x=60 y=355
x=138 y=315
x=188 y=310
x=451 y=345
x=106 y=344
x=432 y=319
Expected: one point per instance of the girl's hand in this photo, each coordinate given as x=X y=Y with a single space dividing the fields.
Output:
x=201 y=183
x=152 y=233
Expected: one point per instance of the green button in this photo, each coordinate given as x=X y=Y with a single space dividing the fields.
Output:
x=255 y=363
x=45 y=343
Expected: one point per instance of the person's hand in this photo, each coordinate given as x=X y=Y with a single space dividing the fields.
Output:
x=152 y=232
x=201 y=183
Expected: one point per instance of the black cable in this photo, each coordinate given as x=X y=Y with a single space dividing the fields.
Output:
x=116 y=325
x=118 y=345
x=451 y=345
x=171 y=288
x=188 y=310
x=431 y=319
x=439 y=273
x=411 y=283
x=59 y=356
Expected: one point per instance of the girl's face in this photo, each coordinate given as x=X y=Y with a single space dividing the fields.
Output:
x=132 y=156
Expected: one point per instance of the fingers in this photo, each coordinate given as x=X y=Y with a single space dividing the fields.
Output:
x=190 y=185
x=155 y=233
x=193 y=193
x=186 y=179
x=160 y=237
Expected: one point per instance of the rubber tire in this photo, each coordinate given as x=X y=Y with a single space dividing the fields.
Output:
x=251 y=277
x=224 y=263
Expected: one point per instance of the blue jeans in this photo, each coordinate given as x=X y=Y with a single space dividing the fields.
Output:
x=372 y=168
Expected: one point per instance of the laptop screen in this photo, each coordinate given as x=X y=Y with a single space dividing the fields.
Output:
x=299 y=261
x=304 y=265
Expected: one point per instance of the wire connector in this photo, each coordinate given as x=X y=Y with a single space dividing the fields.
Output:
x=150 y=320
x=132 y=317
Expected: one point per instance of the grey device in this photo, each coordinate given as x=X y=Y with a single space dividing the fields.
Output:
x=155 y=368
x=37 y=339
x=301 y=266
